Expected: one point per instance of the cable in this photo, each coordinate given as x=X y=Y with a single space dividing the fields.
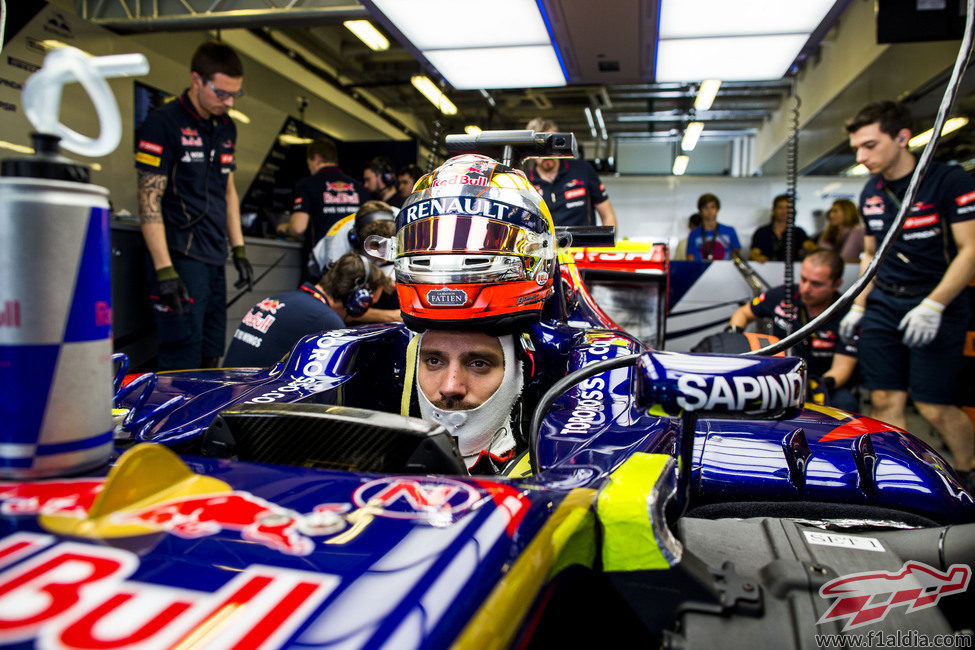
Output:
x=961 y=63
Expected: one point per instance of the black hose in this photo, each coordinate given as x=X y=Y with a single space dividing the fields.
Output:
x=791 y=172
x=560 y=387
x=961 y=63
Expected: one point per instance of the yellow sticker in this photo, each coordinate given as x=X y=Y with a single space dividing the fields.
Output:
x=147 y=159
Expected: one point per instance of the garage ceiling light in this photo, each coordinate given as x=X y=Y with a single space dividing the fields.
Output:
x=922 y=139
x=508 y=46
x=733 y=58
x=238 y=116
x=706 y=93
x=680 y=164
x=429 y=90
x=693 y=18
x=502 y=67
x=472 y=129
x=746 y=40
x=368 y=34
x=691 y=135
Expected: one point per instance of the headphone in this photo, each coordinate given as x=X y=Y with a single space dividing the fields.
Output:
x=381 y=166
x=361 y=222
x=359 y=299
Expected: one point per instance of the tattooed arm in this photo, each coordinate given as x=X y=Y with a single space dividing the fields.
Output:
x=151 y=188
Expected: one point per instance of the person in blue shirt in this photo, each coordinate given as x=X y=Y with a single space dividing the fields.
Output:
x=711 y=241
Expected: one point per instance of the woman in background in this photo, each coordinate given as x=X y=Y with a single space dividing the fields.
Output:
x=844 y=234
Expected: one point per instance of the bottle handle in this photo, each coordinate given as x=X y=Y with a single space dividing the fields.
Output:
x=41 y=96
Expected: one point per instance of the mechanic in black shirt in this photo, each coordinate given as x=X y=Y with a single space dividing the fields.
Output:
x=188 y=208
x=380 y=180
x=914 y=314
x=320 y=200
x=830 y=360
x=273 y=326
x=571 y=188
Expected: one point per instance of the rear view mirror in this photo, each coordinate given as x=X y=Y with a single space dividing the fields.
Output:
x=721 y=386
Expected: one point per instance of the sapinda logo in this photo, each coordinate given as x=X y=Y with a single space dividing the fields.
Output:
x=868 y=597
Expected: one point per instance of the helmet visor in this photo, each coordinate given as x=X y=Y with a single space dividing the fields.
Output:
x=471 y=235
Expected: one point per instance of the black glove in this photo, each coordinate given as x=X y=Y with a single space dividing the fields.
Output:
x=819 y=389
x=245 y=272
x=172 y=291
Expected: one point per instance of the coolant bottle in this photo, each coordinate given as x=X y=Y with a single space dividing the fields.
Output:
x=55 y=317
x=55 y=289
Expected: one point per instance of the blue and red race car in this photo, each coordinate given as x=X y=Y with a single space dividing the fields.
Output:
x=672 y=500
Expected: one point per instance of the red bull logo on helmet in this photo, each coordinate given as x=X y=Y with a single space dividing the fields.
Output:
x=462 y=179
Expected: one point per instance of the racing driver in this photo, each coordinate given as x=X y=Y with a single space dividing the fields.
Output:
x=475 y=260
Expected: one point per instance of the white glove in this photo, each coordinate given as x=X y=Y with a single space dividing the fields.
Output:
x=921 y=324
x=848 y=326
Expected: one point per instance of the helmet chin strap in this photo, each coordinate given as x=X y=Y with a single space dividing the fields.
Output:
x=489 y=425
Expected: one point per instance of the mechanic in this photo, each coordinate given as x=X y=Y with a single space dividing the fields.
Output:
x=712 y=241
x=914 y=315
x=348 y=234
x=406 y=178
x=768 y=241
x=273 y=326
x=830 y=360
x=380 y=181
x=570 y=187
x=471 y=280
x=320 y=200
x=188 y=209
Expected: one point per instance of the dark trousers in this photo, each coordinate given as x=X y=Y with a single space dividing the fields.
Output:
x=185 y=340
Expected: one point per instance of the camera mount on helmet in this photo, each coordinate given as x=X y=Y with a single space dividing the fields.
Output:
x=509 y=146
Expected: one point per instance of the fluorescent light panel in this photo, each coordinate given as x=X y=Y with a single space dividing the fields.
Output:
x=503 y=67
x=473 y=48
x=745 y=40
x=592 y=125
x=691 y=135
x=429 y=90
x=706 y=93
x=472 y=129
x=455 y=24
x=368 y=34
x=238 y=116
x=680 y=164
x=740 y=58
x=693 y=18
x=922 y=139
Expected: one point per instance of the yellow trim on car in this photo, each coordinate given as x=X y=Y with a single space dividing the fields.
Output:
x=568 y=537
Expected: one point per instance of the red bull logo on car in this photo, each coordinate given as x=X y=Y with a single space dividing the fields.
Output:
x=72 y=595
x=189 y=517
x=868 y=597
